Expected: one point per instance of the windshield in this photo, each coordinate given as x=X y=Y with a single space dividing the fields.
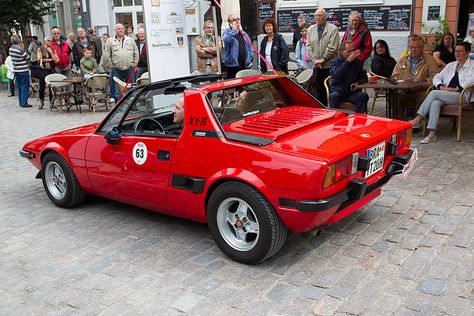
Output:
x=240 y=102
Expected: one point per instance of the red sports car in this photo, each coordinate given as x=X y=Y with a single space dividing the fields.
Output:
x=253 y=158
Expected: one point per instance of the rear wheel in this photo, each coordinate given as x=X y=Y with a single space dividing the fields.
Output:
x=59 y=181
x=244 y=224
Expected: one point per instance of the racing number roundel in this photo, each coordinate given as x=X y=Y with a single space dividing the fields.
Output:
x=139 y=153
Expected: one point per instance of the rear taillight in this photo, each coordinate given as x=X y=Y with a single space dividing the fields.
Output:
x=402 y=139
x=340 y=170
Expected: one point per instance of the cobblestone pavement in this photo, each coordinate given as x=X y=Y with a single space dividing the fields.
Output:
x=408 y=253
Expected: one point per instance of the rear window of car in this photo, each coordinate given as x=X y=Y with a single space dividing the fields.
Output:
x=239 y=102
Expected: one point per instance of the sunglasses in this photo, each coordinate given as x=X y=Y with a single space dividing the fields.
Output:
x=233 y=20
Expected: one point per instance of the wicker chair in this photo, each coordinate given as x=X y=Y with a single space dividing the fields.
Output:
x=62 y=91
x=378 y=92
x=96 y=89
x=344 y=105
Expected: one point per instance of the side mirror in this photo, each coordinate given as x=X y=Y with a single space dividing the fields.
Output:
x=113 y=136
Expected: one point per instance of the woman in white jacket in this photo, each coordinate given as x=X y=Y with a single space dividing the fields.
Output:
x=449 y=84
x=10 y=76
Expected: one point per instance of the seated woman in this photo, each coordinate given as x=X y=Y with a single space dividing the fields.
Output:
x=383 y=63
x=444 y=52
x=449 y=83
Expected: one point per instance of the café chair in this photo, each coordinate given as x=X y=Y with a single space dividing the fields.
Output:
x=121 y=85
x=142 y=81
x=96 y=89
x=303 y=78
x=247 y=73
x=75 y=73
x=344 y=105
x=292 y=68
x=454 y=111
x=62 y=91
x=378 y=92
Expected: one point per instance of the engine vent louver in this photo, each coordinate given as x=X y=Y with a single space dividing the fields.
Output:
x=282 y=118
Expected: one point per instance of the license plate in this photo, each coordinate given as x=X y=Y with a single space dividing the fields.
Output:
x=409 y=166
x=376 y=155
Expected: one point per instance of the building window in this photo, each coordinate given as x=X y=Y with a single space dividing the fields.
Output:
x=360 y=2
x=127 y=3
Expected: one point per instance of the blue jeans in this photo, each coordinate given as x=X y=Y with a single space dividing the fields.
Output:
x=23 y=85
x=122 y=75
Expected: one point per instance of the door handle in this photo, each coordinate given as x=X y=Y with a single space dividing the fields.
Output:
x=163 y=155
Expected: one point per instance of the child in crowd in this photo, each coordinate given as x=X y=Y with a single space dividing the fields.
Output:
x=88 y=64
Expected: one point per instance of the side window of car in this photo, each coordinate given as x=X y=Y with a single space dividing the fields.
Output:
x=150 y=114
x=118 y=113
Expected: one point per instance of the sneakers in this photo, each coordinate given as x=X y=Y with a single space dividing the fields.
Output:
x=112 y=100
x=428 y=140
x=11 y=95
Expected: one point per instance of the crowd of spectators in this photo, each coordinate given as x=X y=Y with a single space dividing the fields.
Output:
x=317 y=47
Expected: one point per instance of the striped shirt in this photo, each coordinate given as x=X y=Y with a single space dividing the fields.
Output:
x=20 y=59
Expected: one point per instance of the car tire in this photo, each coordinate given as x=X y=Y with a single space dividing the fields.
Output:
x=59 y=181
x=243 y=224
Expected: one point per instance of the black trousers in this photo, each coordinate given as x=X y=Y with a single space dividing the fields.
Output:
x=42 y=87
x=321 y=75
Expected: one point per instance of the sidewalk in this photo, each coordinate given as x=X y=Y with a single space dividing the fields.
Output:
x=408 y=253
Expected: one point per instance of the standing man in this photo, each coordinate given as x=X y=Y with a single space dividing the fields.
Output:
x=322 y=47
x=297 y=30
x=121 y=56
x=80 y=45
x=358 y=33
x=21 y=69
x=206 y=51
x=347 y=71
x=142 y=66
x=33 y=48
x=97 y=42
x=71 y=39
x=62 y=49
x=238 y=53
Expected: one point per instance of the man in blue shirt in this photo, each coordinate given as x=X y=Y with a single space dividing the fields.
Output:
x=238 y=52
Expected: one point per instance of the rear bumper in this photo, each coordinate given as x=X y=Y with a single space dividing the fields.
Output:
x=356 y=189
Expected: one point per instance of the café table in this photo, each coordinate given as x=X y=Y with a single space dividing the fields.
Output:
x=77 y=91
x=392 y=91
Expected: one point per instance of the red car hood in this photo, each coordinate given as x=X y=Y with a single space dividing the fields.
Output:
x=317 y=132
x=85 y=130
x=76 y=136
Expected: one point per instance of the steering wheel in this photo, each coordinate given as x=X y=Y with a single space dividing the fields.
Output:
x=153 y=124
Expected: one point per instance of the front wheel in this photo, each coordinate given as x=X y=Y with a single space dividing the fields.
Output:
x=244 y=224
x=59 y=181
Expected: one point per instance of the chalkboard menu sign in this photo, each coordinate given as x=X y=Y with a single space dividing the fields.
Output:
x=433 y=13
x=378 y=18
x=265 y=10
x=287 y=18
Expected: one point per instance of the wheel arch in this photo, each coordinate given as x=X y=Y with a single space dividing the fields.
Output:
x=55 y=147
x=235 y=175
